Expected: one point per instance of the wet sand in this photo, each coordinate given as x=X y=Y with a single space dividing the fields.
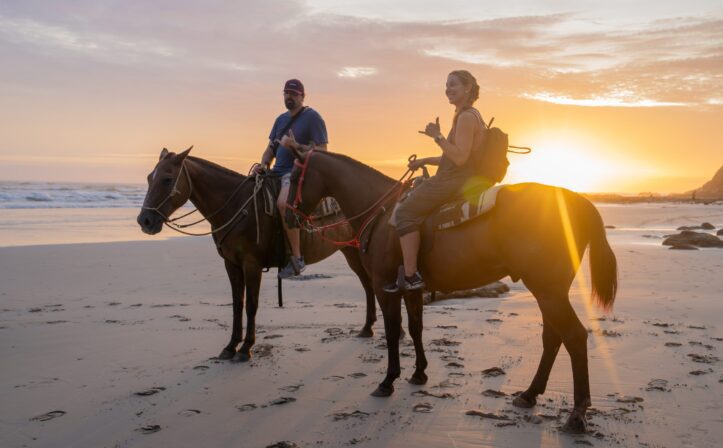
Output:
x=111 y=344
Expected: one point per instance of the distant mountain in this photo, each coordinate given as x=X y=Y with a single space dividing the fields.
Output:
x=712 y=189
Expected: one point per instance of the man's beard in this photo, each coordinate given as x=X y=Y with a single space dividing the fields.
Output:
x=290 y=103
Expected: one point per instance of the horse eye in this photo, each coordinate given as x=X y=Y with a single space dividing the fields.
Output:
x=167 y=181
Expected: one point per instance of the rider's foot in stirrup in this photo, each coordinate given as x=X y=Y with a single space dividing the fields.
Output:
x=391 y=288
x=295 y=267
x=414 y=282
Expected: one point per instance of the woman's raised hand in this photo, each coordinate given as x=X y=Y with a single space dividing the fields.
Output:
x=432 y=129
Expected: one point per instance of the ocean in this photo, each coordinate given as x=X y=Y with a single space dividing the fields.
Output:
x=17 y=195
x=36 y=213
x=33 y=213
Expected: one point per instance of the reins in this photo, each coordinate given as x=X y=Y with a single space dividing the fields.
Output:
x=171 y=223
x=372 y=211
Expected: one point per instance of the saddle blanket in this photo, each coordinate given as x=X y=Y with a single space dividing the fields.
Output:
x=455 y=213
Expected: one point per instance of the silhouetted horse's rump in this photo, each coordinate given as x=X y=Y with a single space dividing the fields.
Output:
x=535 y=233
x=244 y=233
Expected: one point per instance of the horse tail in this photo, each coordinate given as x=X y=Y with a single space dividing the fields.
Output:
x=603 y=264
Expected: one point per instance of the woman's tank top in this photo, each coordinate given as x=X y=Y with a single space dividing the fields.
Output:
x=446 y=166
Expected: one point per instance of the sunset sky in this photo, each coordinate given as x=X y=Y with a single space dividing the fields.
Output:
x=612 y=96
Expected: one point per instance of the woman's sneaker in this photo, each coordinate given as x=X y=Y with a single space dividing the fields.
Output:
x=412 y=283
x=295 y=267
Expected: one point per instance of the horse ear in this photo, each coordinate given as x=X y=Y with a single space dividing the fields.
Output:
x=183 y=155
x=164 y=153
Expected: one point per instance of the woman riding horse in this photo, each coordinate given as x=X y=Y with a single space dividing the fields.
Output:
x=454 y=177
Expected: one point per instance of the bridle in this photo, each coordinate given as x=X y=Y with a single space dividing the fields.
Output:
x=174 y=191
x=171 y=223
x=370 y=213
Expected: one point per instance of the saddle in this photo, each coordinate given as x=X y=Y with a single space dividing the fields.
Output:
x=451 y=214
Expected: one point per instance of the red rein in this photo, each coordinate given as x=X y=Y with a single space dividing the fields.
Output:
x=371 y=212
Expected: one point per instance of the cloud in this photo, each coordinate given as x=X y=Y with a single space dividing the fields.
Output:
x=537 y=57
x=356 y=72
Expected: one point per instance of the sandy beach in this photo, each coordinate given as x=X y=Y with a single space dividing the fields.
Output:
x=111 y=344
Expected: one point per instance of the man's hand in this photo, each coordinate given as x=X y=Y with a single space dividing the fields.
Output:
x=432 y=129
x=289 y=141
x=259 y=168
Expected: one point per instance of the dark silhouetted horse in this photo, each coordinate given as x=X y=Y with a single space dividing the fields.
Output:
x=225 y=198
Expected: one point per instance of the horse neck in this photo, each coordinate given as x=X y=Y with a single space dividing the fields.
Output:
x=211 y=189
x=356 y=187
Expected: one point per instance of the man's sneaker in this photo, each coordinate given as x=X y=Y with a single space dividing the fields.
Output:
x=295 y=267
x=391 y=288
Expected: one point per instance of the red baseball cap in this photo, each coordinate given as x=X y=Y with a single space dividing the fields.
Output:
x=294 y=85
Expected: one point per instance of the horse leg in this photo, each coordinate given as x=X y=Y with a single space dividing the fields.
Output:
x=252 y=274
x=352 y=258
x=391 y=305
x=550 y=346
x=414 y=305
x=236 y=277
x=565 y=323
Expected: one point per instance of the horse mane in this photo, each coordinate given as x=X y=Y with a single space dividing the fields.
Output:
x=215 y=166
x=376 y=173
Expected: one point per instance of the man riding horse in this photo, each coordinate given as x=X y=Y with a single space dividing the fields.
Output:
x=297 y=128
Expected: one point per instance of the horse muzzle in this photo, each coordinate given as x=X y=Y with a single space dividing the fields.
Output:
x=150 y=222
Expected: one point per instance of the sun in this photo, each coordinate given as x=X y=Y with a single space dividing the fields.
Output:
x=564 y=164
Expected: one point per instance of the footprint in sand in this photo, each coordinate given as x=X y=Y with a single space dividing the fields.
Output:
x=149 y=429
x=673 y=344
x=492 y=372
x=201 y=368
x=658 y=384
x=357 y=375
x=47 y=416
x=347 y=415
x=281 y=400
x=487 y=415
x=151 y=391
x=425 y=408
x=246 y=407
x=333 y=378
x=274 y=336
x=705 y=359
x=424 y=393
x=444 y=342
x=455 y=365
x=494 y=393
x=284 y=444
x=292 y=388
x=189 y=412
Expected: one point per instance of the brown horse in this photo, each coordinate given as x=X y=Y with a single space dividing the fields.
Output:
x=535 y=233
x=220 y=196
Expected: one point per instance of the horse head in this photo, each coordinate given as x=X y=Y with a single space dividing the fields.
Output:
x=169 y=187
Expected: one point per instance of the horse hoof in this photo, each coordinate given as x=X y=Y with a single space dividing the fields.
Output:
x=418 y=379
x=226 y=354
x=365 y=333
x=521 y=402
x=576 y=424
x=383 y=391
x=242 y=357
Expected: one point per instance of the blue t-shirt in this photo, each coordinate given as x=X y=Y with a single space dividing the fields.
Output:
x=307 y=127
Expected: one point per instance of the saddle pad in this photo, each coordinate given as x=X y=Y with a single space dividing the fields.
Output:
x=455 y=213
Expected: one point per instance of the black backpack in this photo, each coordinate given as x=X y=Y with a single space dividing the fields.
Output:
x=489 y=159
